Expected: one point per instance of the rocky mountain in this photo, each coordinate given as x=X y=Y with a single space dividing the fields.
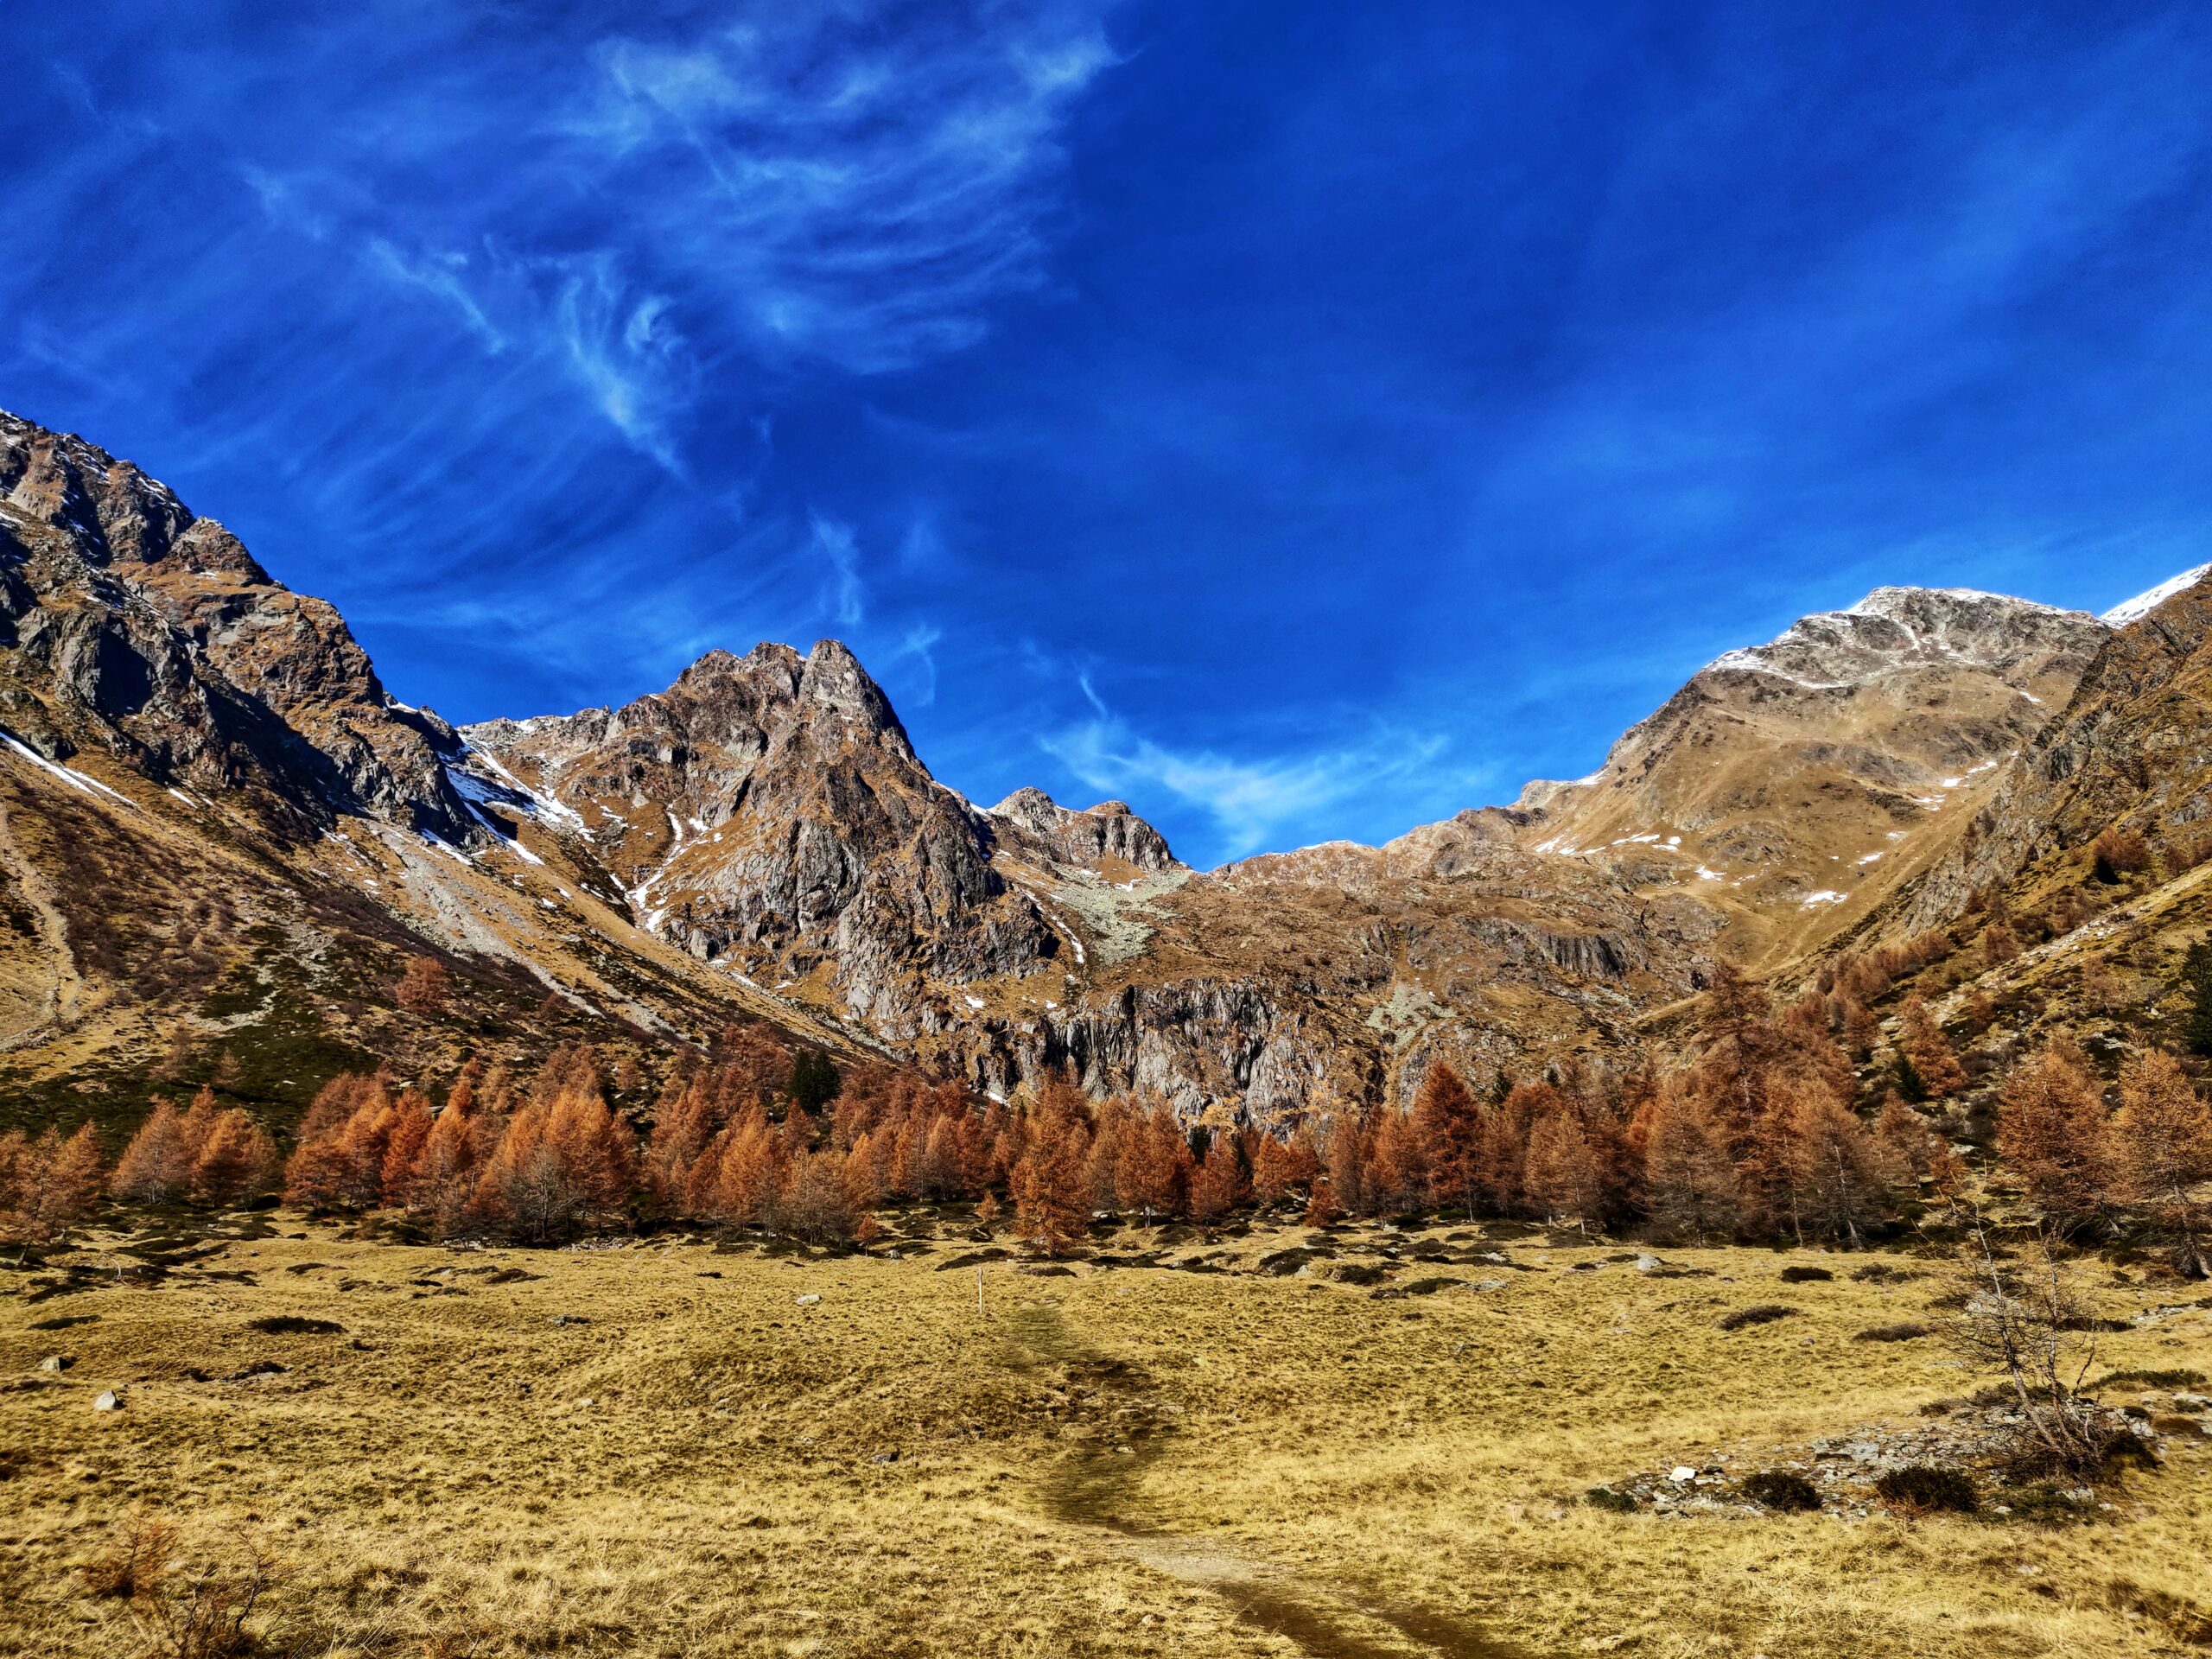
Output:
x=134 y=627
x=1792 y=787
x=768 y=814
x=2130 y=747
x=222 y=840
x=217 y=828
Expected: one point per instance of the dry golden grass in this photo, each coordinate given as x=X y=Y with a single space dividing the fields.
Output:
x=693 y=1470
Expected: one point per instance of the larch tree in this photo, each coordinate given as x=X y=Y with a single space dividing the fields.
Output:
x=404 y=1136
x=1448 y=1123
x=1908 y=1138
x=1397 y=1176
x=748 y=1171
x=1932 y=1068
x=1841 y=1181
x=1153 y=1173
x=425 y=988
x=683 y=1127
x=48 y=1186
x=1321 y=1207
x=598 y=1155
x=1051 y=1203
x=1565 y=1172
x=1691 y=1184
x=813 y=1205
x=236 y=1161
x=198 y=1121
x=2161 y=1151
x=445 y=1171
x=524 y=1189
x=1345 y=1156
x=1284 y=1166
x=2052 y=1135
x=1221 y=1186
x=156 y=1165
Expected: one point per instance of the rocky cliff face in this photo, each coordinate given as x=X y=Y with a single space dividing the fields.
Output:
x=134 y=627
x=768 y=814
x=218 y=829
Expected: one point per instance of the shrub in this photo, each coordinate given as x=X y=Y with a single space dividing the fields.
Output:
x=135 y=1566
x=1881 y=1272
x=1762 y=1313
x=1805 y=1276
x=1612 y=1502
x=1781 y=1489
x=1904 y=1330
x=2120 y=852
x=1927 y=1488
x=291 y=1324
x=2179 y=1378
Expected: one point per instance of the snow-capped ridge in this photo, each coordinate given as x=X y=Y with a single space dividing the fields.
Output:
x=2143 y=604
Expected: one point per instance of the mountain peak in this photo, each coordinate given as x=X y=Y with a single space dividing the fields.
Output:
x=1895 y=628
x=1107 y=833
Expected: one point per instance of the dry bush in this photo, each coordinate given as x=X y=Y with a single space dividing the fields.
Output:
x=1762 y=1313
x=2029 y=1320
x=1781 y=1489
x=1927 y=1489
x=195 y=1611
x=134 y=1567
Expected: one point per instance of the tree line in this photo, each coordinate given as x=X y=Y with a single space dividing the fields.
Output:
x=1765 y=1130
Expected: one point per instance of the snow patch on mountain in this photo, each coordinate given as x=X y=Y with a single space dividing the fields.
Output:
x=2143 y=604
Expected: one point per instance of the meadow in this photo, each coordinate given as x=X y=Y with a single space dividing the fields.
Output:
x=1370 y=1443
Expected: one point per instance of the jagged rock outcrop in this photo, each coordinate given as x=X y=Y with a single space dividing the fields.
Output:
x=133 y=627
x=1098 y=838
x=769 y=814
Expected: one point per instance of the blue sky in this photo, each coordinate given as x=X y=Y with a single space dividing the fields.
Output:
x=1302 y=420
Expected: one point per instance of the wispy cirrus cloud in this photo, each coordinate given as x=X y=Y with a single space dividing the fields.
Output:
x=437 y=258
x=854 y=188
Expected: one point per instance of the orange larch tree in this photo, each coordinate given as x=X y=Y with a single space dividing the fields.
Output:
x=2052 y=1135
x=236 y=1161
x=1931 y=1067
x=2161 y=1151
x=1448 y=1124
x=156 y=1165
x=1565 y=1172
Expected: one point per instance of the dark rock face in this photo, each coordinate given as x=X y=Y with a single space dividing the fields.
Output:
x=130 y=625
x=769 y=811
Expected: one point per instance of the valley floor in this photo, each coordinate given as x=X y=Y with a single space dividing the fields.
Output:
x=669 y=1449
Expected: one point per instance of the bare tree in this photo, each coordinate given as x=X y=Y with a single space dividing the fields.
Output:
x=2029 y=1321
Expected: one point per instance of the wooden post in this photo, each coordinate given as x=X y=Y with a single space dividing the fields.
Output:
x=979 y=1290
